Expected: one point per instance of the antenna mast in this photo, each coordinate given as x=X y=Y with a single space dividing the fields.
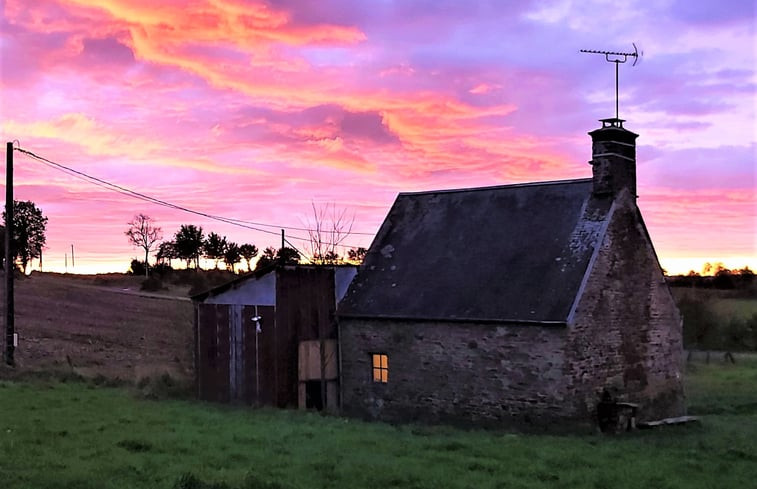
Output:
x=617 y=58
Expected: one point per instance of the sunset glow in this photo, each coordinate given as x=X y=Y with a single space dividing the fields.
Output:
x=255 y=110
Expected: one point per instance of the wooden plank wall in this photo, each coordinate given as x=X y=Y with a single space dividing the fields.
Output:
x=213 y=352
x=305 y=299
x=259 y=389
x=306 y=304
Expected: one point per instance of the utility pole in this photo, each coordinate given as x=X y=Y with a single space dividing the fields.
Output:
x=10 y=264
x=73 y=262
x=281 y=251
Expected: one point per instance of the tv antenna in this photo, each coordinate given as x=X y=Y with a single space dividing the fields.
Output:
x=618 y=58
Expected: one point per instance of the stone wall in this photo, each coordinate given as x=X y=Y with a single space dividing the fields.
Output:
x=461 y=373
x=626 y=334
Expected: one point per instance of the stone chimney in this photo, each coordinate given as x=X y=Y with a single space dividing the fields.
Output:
x=613 y=156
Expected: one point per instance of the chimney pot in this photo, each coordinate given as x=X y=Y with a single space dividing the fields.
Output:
x=613 y=158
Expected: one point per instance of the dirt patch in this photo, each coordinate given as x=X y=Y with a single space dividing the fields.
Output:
x=101 y=327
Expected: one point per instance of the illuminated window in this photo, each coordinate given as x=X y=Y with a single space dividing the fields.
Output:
x=380 y=368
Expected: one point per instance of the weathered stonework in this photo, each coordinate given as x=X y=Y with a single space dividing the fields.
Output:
x=626 y=333
x=454 y=372
x=613 y=159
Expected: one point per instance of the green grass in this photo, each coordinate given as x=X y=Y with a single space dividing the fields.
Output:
x=722 y=388
x=735 y=308
x=75 y=435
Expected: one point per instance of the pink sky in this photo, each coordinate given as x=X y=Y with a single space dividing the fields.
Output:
x=255 y=110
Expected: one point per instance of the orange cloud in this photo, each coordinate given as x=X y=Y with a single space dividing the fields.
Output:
x=482 y=88
x=218 y=21
x=100 y=140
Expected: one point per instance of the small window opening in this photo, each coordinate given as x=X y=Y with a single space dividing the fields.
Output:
x=380 y=368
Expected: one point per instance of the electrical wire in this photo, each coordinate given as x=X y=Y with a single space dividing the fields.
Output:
x=255 y=226
x=303 y=255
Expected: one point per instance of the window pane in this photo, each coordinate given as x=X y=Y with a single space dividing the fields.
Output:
x=376 y=375
x=376 y=360
x=385 y=376
x=384 y=361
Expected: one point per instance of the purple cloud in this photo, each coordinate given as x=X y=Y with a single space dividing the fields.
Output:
x=106 y=51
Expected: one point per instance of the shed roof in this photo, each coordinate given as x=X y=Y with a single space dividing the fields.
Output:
x=267 y=272
x=506 y=253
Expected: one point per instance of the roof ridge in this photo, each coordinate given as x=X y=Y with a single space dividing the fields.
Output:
x=496 y=187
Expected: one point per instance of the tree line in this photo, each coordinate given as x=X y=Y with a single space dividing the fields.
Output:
x=715 y=276
x=190 y=243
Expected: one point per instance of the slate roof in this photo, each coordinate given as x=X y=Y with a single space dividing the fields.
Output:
x=515 y=253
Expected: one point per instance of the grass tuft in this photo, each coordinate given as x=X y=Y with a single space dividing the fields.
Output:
x=135 y=446
x=162 y=387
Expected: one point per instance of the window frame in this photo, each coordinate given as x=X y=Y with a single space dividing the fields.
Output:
x=379 y=368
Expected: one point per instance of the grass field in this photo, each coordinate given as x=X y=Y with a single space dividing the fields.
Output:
x=77 y=435
x=718 y=319
x=738 y=308
x=727 y=304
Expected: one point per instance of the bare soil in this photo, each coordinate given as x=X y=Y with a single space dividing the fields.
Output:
x=101 y=326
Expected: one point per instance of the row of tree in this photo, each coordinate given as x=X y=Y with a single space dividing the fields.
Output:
x=715 y=276
x=190 y=243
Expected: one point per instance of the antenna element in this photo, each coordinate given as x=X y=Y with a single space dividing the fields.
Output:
x=617 y=58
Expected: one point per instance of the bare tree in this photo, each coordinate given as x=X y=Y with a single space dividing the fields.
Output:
x=143 y=233
x=327 y=232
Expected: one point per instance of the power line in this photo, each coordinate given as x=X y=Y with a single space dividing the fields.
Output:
x=153 y=200
x=297 y=250
x=131 y=193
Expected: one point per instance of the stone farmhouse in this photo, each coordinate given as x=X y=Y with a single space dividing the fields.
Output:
x=523 y=305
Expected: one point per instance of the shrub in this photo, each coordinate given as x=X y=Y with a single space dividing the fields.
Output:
x=152 y=284
x=700 y=328
x=137 y=267
x=161 y=269
x=741 y=334
x=163 y=387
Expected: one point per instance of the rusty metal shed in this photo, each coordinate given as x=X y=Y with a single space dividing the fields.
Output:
x=270 y=338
